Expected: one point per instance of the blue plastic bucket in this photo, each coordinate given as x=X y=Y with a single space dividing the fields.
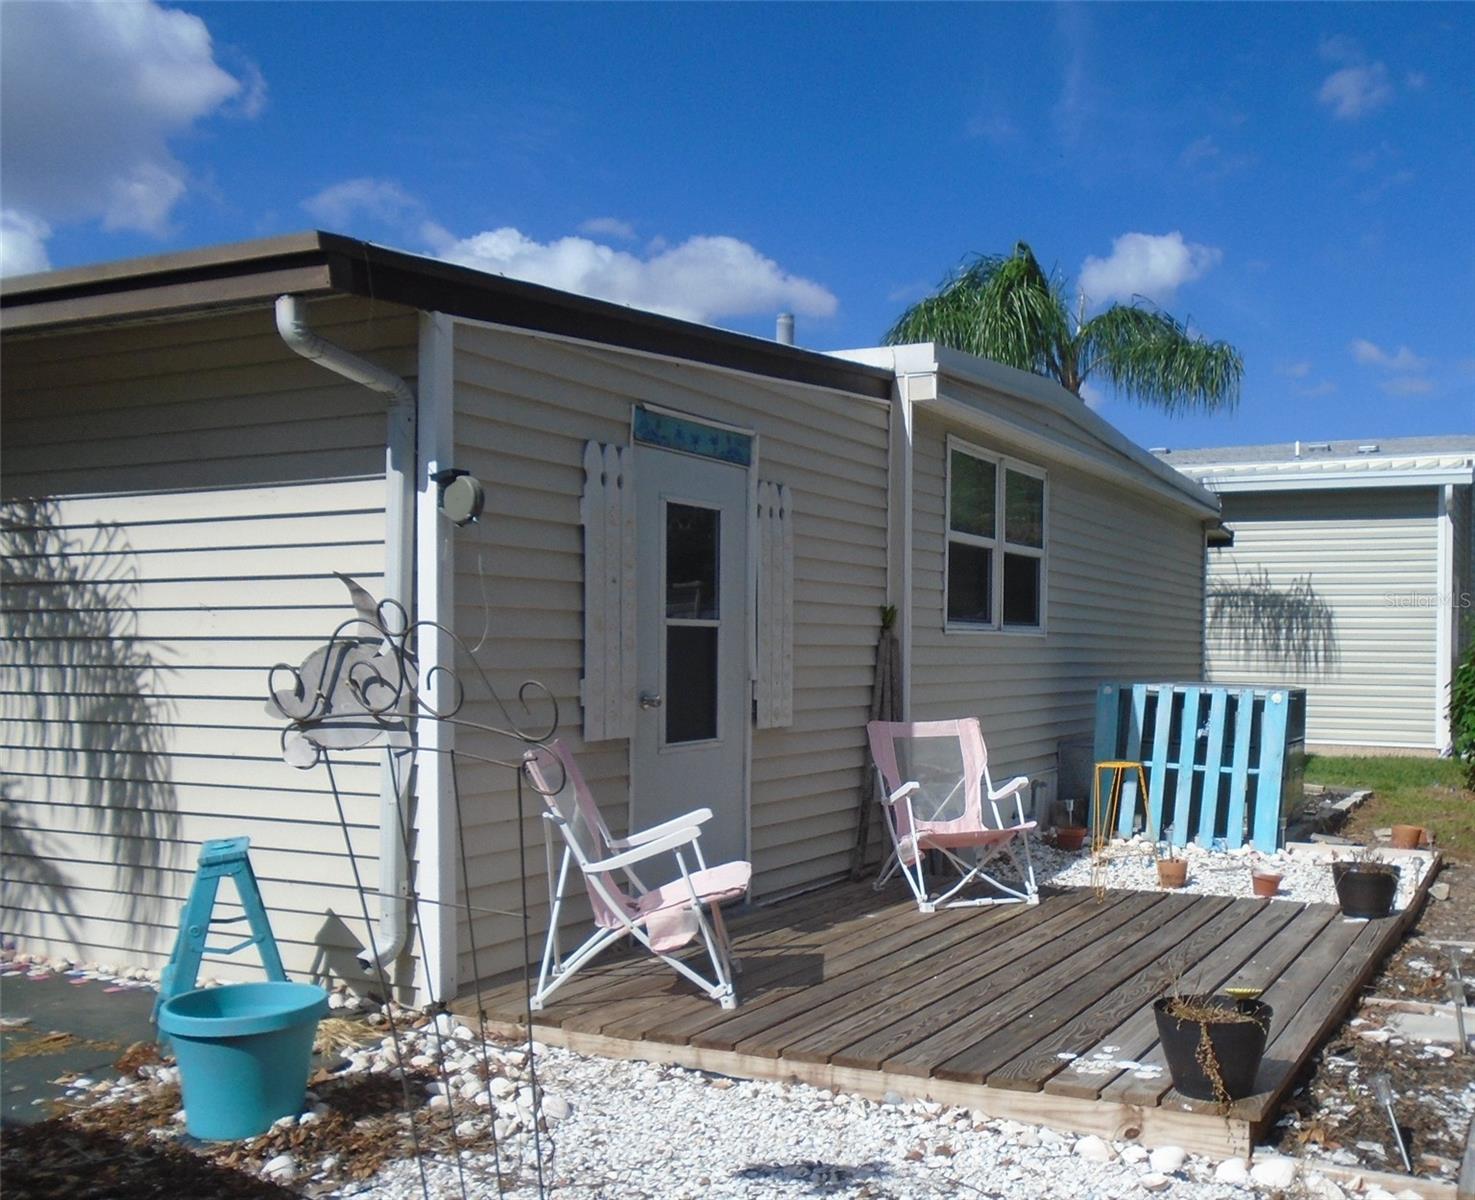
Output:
x=244 y=1051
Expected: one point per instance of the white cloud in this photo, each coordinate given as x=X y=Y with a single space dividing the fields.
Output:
x=1205 y=157
x=998 y=129
x=700 y=279
x=1296 y=370
x=381 y=200
x=91 y=92
x=1145 y=264
x=1094 y=396
x=1355 y=91
x=1407 y=385
x=1340 y=48
x=609 y=227
x=22 y=243
x=1370 y=354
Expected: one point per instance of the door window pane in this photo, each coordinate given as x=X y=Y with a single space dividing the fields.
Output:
x=970 y=584
x=1021 y=589
x=692 y=537
x=1024 y=510
x=691 y=683
x=972 y=495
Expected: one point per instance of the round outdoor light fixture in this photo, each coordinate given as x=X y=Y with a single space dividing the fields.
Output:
x=461 y=495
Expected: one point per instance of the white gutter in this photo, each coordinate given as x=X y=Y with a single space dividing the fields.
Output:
x=1326 y=480
x=1113 y=456
x=399 y=553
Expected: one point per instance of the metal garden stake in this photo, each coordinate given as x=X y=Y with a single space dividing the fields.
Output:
x=1383 y=1090
x=1457 y=994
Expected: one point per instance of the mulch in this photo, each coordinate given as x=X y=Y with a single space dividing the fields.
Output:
x=121 y=1150
x=1334 y=1112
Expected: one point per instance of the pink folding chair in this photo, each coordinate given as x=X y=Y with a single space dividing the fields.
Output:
x=662 y=919
x=934 y=777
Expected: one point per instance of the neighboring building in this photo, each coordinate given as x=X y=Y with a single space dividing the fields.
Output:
x=179 y=486
x=1350 y=575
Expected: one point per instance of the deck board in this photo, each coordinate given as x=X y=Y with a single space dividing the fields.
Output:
x=1137 y=1035
x=1009 y=1009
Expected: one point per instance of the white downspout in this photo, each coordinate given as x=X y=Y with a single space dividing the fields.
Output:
x=399 y=556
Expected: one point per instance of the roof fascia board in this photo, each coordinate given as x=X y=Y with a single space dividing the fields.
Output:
x=1199 y=501
x=1338 y=481
x=320 y=263
x=433 y=285
x=1058 y=406
x=1050 y=395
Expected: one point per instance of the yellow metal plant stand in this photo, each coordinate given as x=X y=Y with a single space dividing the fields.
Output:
x=1102 y=823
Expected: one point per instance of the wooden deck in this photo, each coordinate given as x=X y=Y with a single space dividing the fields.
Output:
x=984 y=1006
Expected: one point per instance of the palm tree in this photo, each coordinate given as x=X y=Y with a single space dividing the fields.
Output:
x=1008 y=309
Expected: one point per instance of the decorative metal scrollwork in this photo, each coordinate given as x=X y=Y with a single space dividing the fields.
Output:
x=366 y=687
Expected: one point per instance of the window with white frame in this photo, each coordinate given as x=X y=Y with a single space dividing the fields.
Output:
x=995 y=572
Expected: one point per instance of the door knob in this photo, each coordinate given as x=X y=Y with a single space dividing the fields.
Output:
x=650 y=700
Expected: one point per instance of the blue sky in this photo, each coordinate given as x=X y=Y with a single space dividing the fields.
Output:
x=1297 y=180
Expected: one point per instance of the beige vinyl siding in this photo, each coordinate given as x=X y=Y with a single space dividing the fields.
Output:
x=176 y=496
x=1369 y=559
x=1123 y=601
x=525 y=407
x=1462 y=584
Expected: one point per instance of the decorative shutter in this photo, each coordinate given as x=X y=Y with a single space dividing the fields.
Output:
x=774 y=693
x=607 y=512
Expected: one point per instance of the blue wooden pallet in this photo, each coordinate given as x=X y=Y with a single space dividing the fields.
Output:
x=1231 y=776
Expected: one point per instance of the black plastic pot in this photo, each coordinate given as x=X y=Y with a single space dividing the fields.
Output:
x=1238 y=1046
x=1365 y=889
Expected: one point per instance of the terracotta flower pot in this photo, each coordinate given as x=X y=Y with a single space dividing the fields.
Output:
x=1070 y=837
x=1407 y=837
x=1265 y=883
x=1172 y=872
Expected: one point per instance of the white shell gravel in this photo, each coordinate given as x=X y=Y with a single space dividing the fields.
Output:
x=1304 y=868
x=640 y=1130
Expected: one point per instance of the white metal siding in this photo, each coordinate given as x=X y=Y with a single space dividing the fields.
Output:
x=1124 y=597
x=1365 y=562
x=525 y=407
x=177 y=496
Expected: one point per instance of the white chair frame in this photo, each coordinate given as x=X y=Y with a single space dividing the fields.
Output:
x=671 y=837
x=916 y=847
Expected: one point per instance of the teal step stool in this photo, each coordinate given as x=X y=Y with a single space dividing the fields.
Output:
x=219 y=858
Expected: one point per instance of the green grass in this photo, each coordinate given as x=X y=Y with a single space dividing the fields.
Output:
x=1406 y=791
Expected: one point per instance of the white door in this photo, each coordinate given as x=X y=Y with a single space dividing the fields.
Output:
x=690 y=747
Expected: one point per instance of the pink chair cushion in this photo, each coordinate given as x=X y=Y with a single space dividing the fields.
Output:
x=667 y=909
x=972 y=837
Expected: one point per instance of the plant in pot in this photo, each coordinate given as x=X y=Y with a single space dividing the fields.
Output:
x=1172 y=871
x=1070 y=836
x=1366 y=886
x=1213 y=1043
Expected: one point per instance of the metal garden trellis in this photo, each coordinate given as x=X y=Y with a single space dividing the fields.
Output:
x=365 y=687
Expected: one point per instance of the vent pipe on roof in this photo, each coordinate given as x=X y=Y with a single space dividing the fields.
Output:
x=784 y=334
x=399 y=553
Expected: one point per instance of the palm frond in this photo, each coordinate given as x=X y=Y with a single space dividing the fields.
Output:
x=1150 y=356
x=1004 y=308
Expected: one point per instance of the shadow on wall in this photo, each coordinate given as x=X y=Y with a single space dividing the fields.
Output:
x=78 y=703
x=1289 y=627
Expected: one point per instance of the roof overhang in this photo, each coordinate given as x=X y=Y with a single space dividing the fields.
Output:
x=316 y=264
x=1335 y=480
x=1107 y=452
